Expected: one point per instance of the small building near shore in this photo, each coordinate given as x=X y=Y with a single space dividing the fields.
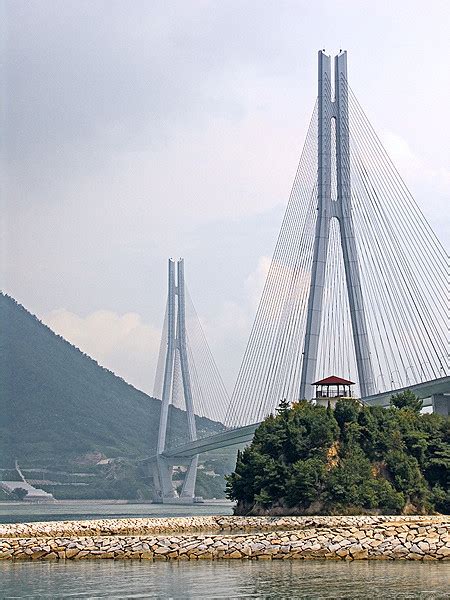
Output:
x=331 y=389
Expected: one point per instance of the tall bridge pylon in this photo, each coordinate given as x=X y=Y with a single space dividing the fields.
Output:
x=176 y=349
x=358 y=283
x=334 y=112
x=190 y=388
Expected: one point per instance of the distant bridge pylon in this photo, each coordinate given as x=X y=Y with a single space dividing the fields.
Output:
x=186 y=378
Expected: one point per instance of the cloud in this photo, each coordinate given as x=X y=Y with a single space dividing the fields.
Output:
x=254 y=283
x=129 y=347
x=141 y=130
x=122 y=343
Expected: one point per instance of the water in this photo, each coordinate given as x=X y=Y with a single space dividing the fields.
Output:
x=15 y=512
x=227 y=579
x=204 y=579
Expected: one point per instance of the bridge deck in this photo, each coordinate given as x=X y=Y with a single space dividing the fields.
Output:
x=424 y=390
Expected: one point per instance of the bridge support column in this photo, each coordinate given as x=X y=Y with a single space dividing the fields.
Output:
x=176 y=346
x=327 y=208
x=162 y=479
x=188 y=489
x=441 y=404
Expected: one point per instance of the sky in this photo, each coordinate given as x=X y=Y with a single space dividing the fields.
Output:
x=137 y=131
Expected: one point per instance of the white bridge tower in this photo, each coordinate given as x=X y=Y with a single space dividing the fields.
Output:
x=176 y=346
x=334 y=113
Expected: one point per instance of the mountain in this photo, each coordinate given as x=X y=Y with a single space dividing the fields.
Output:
x=57 y=404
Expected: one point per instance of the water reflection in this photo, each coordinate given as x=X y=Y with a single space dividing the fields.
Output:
x=227 y=579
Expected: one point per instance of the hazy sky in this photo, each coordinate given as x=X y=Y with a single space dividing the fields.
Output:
x=132 y=131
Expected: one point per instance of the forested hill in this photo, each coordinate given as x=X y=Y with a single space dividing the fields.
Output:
x=58 y=403
x=353 y=459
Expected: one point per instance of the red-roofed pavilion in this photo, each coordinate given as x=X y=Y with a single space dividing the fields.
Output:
x=334 y=387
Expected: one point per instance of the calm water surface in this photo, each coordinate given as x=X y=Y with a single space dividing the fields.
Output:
x=15 y=512
x=204 y=579
x=233 y=579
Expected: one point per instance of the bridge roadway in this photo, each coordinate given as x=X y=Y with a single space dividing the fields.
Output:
x=438 y=388
x=425 y=391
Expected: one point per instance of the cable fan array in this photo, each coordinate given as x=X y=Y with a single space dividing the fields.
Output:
x=271 y=365
x=404 y=268
x=404 y=280
x=209 y=394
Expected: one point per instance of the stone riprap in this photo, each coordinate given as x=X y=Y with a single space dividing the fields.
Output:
x=346 y=538
x=200 y=523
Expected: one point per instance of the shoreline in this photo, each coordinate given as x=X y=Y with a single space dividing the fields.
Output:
x=231 y=537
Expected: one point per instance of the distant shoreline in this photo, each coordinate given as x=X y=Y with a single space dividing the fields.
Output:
x=109 y=501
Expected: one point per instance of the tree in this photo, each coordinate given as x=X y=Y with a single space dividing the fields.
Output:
x=353 y=459
x=306 y=482
x=407 y=400
x=346 y=411
x=283 y=407
x=19 y=493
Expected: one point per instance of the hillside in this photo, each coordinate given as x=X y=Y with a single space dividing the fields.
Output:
x=354 y=459
x=58 y=405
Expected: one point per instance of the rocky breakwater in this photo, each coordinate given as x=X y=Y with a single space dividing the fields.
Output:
x=213 y=538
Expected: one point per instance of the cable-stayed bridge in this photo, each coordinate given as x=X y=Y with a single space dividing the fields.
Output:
x=357 y=287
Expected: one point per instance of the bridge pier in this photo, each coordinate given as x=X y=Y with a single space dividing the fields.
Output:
x=165 y=490
x=441 y=404
x=162 y=479
x=176 y=348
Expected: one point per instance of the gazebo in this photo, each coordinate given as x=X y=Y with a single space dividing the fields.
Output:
x=332 y=388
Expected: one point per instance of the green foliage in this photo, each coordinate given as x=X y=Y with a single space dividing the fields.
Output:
x=4 y=497
x=355 y=458
x=306 y=482
x=209 y=486
x=19 y=493
x=59 y=409
x=57 y=403
x=407 y=400
x=441 y=499
x=9 y=475
x=346 y=412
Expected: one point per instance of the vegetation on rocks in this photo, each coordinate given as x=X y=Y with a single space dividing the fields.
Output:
x=312 y=460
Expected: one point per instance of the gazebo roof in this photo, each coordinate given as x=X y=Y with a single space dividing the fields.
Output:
x=333 y=380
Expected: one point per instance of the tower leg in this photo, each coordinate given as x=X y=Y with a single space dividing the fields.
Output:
x=182 y=347
x=314 y=314
x=162 y=471
x=441 y=404
x=170 y=359
x=165 y=471
x=348 y=242
x=188 y=489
